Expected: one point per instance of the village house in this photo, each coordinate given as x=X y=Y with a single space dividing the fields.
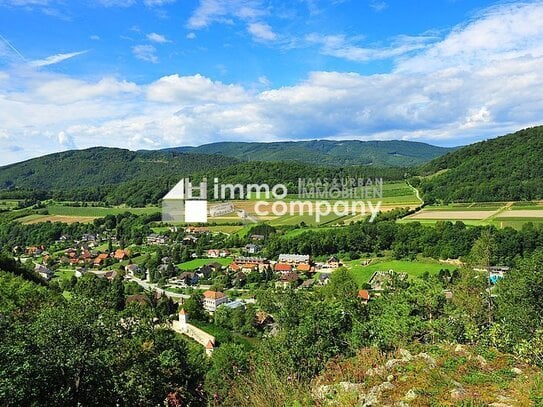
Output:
x=155 y=238
x=44 y=272
x=212 y=300
x=213 y=253
x=294 y=259
x=333 y=262
x=287 y=280
x=251 y=248
x=324 y=278
x=249 y=268
x=364 y=296
x=196 y=229
x=304 y=268
x=187 y=277
x=34 y=250
x=190 y=239
x=234 y=267
x=250 y=259
x=282 y=268
x=101 y=259
x=121 y=254
x=255 y=238
x=133 y=270
x=204 y=272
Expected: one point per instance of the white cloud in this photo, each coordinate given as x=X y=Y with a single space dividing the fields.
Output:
x=342 y=47
x=116 y=3
x=158 y=3
x=261 y=32
x=185 y=90
x=95 y=37
x=24 y=3
x=55 y=59
x=466 y=86
x=378 y=5
x=191 y=36
x=145 y=53
x=67 y=90
x=66 y=140
x=158 y=38
x=223 y=11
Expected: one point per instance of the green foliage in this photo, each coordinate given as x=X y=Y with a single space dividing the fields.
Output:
x=518 y=303
x=228 y=364
x=195 y=307
x=508 y=168
x=328 y=152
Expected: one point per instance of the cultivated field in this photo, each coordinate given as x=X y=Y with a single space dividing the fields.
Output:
x=453 y=215
x=28 y=220
x=499 y=214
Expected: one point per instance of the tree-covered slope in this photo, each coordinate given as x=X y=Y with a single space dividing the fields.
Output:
x=328 y=152
x=99 y=166
x=501 y=169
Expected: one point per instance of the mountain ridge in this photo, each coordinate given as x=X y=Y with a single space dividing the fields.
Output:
x=382 y=153
x=505 y=168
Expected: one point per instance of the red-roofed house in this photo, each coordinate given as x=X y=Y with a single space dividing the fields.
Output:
x=283 y=268
x=364 y=296
x=98 y=261
x=303 y=267
x=120 y=254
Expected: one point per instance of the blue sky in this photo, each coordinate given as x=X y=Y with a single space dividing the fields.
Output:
x=161 y=73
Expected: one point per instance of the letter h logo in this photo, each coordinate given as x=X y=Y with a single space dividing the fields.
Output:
x=181 y=204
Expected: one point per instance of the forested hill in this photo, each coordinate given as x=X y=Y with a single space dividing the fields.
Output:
x=328 y=152
x=95 y=167
x=507 y=168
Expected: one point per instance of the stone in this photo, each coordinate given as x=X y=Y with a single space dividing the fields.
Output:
x=406 y=355
x=430 y=361
x=481 y=360
x=321 y=392
x=516 y=370
x=410 y=395
x=348 y=386
x=458 y=393
x=391 y=363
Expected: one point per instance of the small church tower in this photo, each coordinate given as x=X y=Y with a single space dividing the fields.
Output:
x=183 y=319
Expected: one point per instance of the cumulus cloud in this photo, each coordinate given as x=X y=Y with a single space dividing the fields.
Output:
x=191 y=36
x=66 y=140
x=191 y=89
x=55 y=59
x=158 y=38
x=261 y=32
x=479 y=80
x=145 y=53
x=223 y=11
